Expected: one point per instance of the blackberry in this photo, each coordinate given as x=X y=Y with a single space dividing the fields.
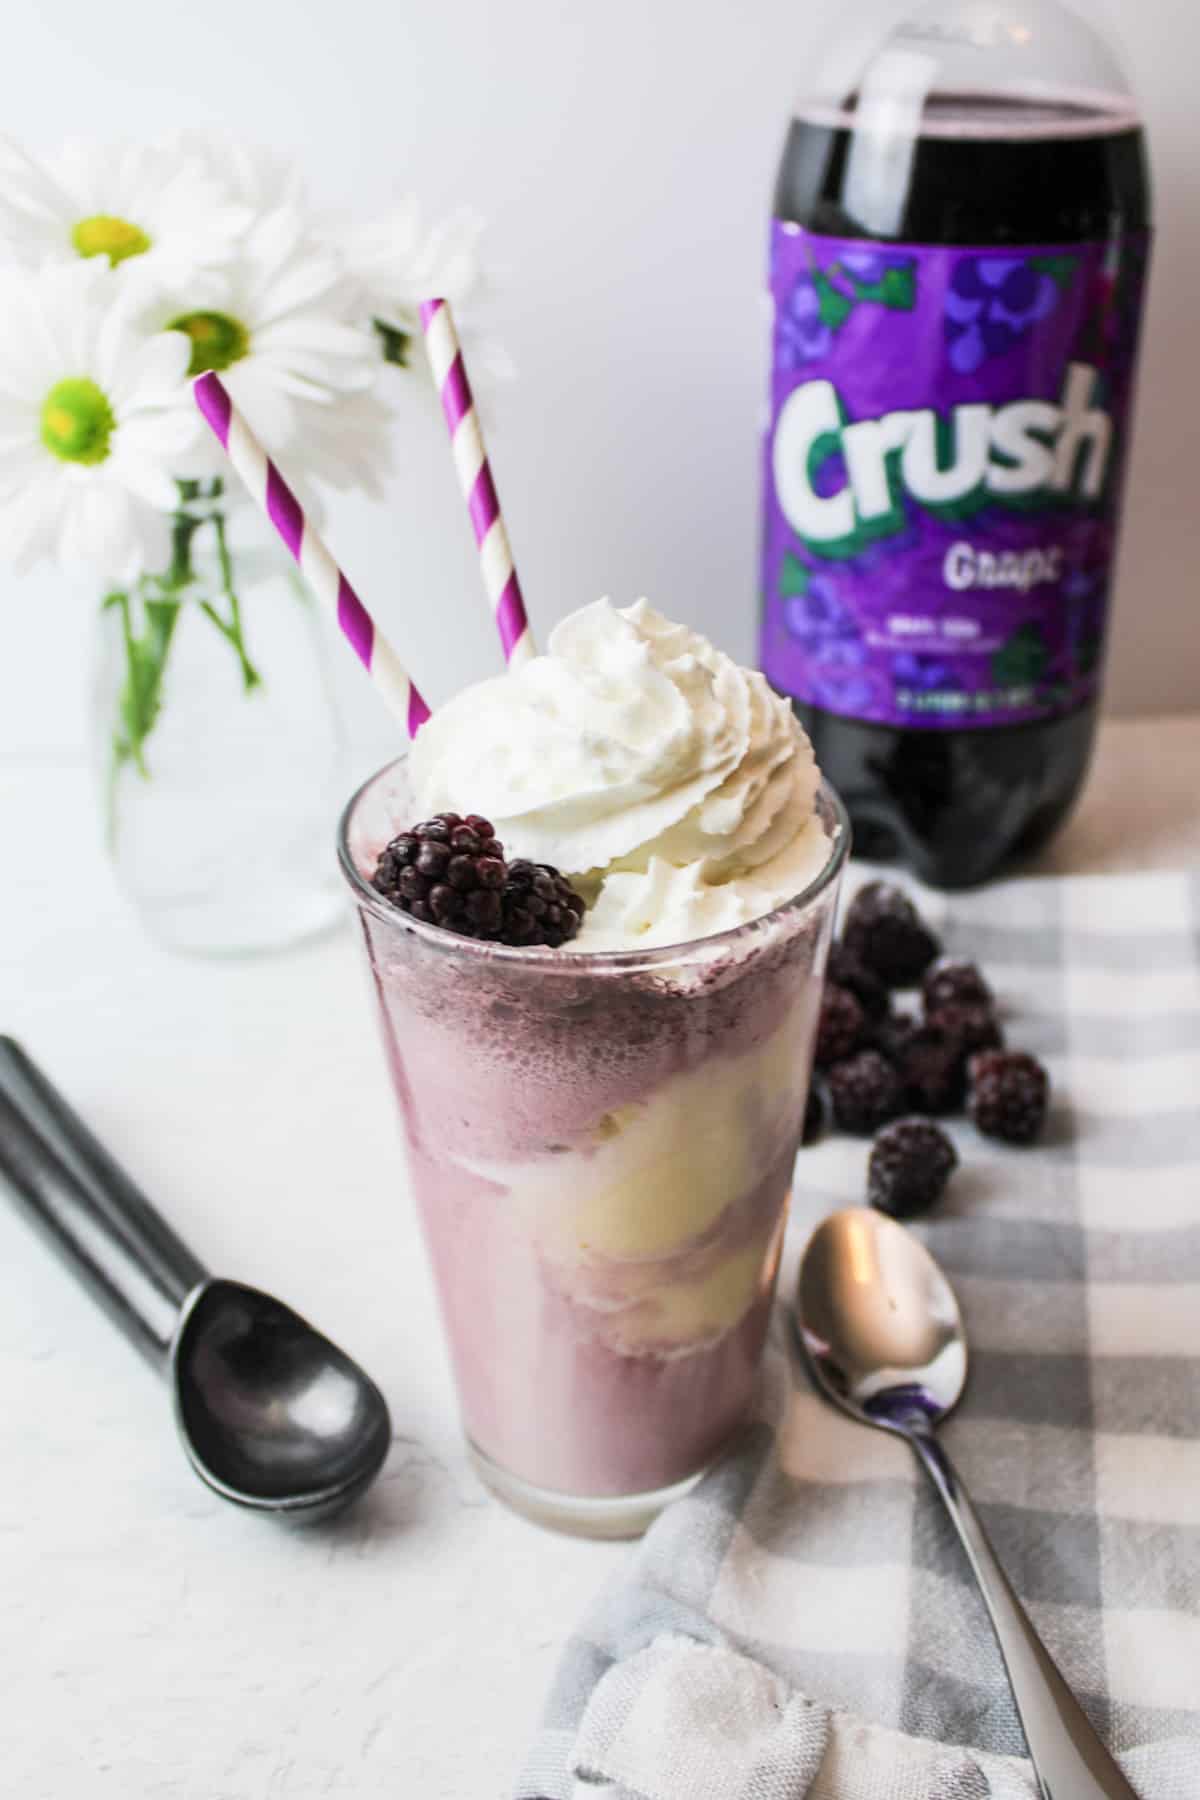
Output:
x=932 y=1066
x=849 y=971
x=814 y=1116
x=909 y=1166
x=951 y=983
x=539 y=906
x=865 y=1092
x=841 y=1026
x=885 y=931
x=1009 y=1094
x=975 y=1027
x=447 y=871
x=890 y=1036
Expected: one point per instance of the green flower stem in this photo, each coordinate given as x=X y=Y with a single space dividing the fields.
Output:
x=231 y=628
x=162 y=599
x=141 y=695
x=183 y=530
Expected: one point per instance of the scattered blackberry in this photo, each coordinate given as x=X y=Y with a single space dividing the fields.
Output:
x=885 y=931
x=865 y=1092
x=975 y=1027
x=890 y=1036
x=849 y=971
x=841 y=1027
x=1009 y=1093
x=932 y=1066
x=951 y=983
x=814 y=1116
x=909 y=1166
x=539 y=906
x=447 y=871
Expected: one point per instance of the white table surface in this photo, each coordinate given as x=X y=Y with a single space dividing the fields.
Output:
x=156 y=1642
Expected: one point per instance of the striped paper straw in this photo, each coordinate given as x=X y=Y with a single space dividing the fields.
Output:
x=475 y=479
x=324 y=577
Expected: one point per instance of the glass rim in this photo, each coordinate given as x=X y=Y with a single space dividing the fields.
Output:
x=567 y=962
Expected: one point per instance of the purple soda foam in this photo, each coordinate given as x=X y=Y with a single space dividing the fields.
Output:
x=601 y=1145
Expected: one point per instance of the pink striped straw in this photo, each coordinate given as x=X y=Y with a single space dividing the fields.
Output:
x=475 y=479
x=326 y=580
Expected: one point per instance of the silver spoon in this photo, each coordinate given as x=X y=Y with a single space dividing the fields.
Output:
x=271 y=1414
x=884 y=1338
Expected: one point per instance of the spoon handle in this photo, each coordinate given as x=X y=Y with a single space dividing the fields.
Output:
x=94 y=1216
x=1068 y=1758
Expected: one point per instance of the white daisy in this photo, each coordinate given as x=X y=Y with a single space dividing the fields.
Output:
x=258 y=178
x=277 y=324
x=94 y=417
x=155 y=215
x=349 y=445
x=398 y=261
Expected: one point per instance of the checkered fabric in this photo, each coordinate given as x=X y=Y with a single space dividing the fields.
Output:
x=804 y=1623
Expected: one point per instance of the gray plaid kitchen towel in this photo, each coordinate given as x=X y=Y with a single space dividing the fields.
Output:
x=803 y=1624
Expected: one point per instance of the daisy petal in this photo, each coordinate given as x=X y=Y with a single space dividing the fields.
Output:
x=27 y=521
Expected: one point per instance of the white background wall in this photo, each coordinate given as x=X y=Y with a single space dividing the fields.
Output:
x=623 y=154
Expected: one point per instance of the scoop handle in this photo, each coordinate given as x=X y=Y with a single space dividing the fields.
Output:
x=1068 y=1759
x=91 y=1212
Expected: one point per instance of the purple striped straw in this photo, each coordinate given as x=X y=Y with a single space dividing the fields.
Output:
x=475 y=479
x=324 y=577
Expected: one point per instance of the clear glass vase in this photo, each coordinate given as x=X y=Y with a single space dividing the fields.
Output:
x=218 y=749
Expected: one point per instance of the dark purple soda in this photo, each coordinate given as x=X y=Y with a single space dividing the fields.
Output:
x=957 y=274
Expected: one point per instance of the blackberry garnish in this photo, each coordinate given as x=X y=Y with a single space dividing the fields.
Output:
x=885 y=931
x=849 y=971
x=539 y=906
x=952 y=983
x=932 y=1065
x=841 y=1027
x=1009 y=1094
x=447 y=871
x=909 y=1166
x=865 y=1092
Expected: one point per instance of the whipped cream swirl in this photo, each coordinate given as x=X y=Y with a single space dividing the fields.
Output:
x=673 y=787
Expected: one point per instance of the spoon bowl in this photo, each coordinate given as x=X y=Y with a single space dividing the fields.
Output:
x=879 y=1321
x=272 y=1415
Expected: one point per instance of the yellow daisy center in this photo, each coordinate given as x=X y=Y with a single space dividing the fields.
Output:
x=217 y=340
x=105 y=235
x=77 y=421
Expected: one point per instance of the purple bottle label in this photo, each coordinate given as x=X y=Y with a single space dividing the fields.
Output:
x=943 y=474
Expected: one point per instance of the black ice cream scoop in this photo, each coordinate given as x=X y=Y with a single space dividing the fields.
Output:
x=271 y=1414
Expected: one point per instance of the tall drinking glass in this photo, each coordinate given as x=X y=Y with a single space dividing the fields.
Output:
x=601 y=1147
